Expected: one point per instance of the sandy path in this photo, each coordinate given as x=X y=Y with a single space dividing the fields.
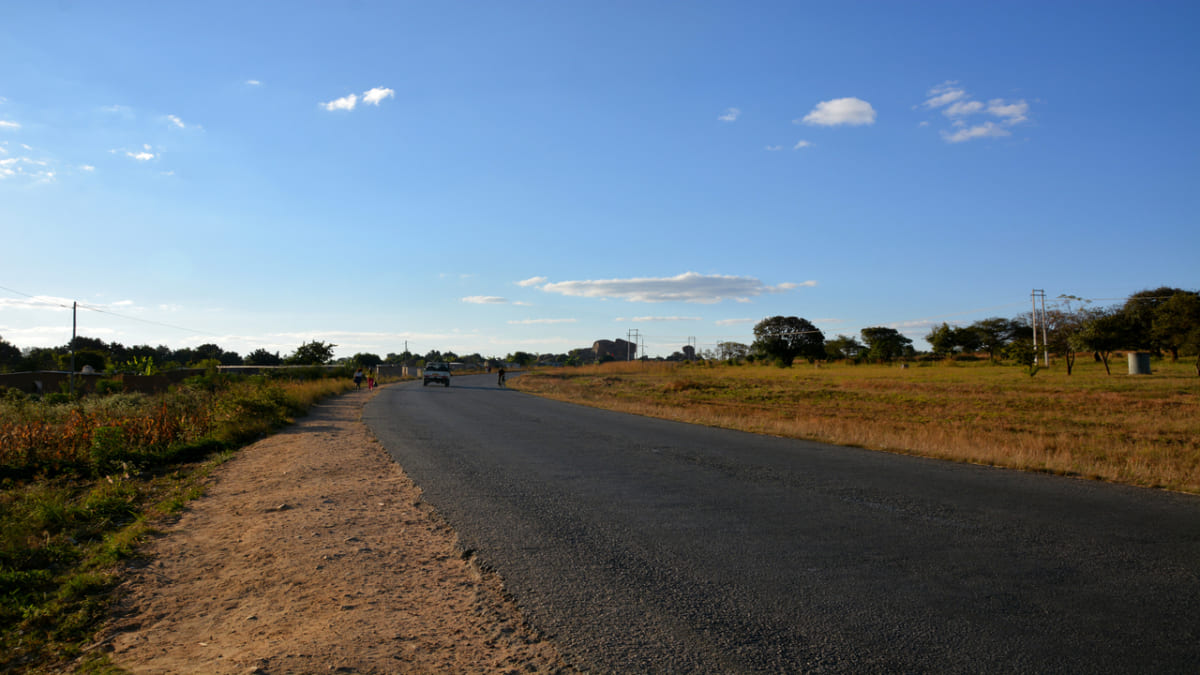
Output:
x=311 y=552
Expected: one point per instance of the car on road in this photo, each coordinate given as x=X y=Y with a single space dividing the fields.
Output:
x=437 y=372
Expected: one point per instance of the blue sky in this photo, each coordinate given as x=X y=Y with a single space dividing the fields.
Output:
x=500 y=176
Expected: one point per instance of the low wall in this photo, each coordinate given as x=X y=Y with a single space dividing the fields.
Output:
x=54 y=381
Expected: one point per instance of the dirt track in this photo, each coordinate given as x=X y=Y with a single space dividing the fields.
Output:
x=312 y=552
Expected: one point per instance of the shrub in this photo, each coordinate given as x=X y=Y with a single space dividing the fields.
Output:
x=108 y=450
x=106 y=387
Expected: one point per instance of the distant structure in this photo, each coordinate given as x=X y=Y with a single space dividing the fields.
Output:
x=619 y=350
x=689 y=352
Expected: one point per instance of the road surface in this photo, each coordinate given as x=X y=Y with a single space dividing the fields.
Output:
x=641 y=545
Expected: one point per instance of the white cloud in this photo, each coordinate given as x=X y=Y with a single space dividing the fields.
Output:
x=735 y=322
x=687 y=287
x=773 y=148
x=841 y=111
x=957 y=104
x=27 y=167
x=253 y=83
x=141 y=156
x=985 y=130
x=86 y=167
x=176 y=121
x=730 y=115
x=1013 y=113
x=944 y=94
x=535 y=322
x=52 y=303
x=961 y=108
x=801 y=145
x=374 y=96
x=484 y=300
x=347 y=102
x=532 y=281
x=9 y=124
x=657 y=319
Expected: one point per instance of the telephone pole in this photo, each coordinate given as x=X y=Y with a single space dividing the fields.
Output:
x=631 y=338
x=74 y=325
x=1039 y=294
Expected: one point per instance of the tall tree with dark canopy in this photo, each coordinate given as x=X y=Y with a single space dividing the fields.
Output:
x=786 y=337
x=1176 y=324
x=315 y=353
x=885 y=344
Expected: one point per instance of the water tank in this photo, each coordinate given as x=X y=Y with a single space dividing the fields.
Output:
x=1139 y=363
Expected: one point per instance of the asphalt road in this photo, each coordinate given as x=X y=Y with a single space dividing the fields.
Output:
x=644 y=546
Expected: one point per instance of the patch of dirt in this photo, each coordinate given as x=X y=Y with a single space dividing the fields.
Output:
x=312 y=552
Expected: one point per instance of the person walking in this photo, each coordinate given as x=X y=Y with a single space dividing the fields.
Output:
x=500 y=380
x=370 y=381
x=358 y=378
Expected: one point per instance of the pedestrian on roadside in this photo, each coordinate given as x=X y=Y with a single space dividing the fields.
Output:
x=370 y=381
x=358 y=378
x=500 y=381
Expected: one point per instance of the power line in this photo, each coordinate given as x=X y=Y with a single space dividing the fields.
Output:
x=49 y=303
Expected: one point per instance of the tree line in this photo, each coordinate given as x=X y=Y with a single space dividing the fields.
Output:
x=1163 y=321
x=113 y=357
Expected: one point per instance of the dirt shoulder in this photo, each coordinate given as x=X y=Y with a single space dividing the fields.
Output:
x=312 y=552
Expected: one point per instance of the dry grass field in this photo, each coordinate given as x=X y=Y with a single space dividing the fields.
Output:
x=1140 y=430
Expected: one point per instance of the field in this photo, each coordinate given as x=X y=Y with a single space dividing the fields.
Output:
x=1139 y=430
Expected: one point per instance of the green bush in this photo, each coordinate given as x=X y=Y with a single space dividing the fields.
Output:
x=106 y=387
x=108 y=450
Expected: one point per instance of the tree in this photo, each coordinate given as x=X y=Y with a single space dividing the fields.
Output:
x=942 y=340
x=1139 y=311
x=315 y=353
x=784 y=338
x=366 y=360
x=98 y=360
x=10 y=356
x=1104 y=332
x=885 y=344
x=1176 y=324
x=732 y=351
x=843 y=347
x=212 y=352
x=1174 y=320
x=404 y=358
x=1062 y=333
x=262 y=357
x=993 y=334
x=38 y=358
x=521 y=358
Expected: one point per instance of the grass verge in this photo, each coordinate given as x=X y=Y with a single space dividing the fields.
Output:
x=1139 y=430
x=86 y=488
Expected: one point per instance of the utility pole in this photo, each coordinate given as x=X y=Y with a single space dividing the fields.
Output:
x=692 y=344
x=1033 y=298
x=74 y=325
x=631 y=338
x=1040 y=294
x=1045 y=342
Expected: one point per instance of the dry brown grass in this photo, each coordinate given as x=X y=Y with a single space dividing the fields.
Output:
x=1140 y=430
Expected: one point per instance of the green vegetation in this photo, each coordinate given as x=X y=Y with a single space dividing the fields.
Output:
x=1140 y=430
x=82 y=481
